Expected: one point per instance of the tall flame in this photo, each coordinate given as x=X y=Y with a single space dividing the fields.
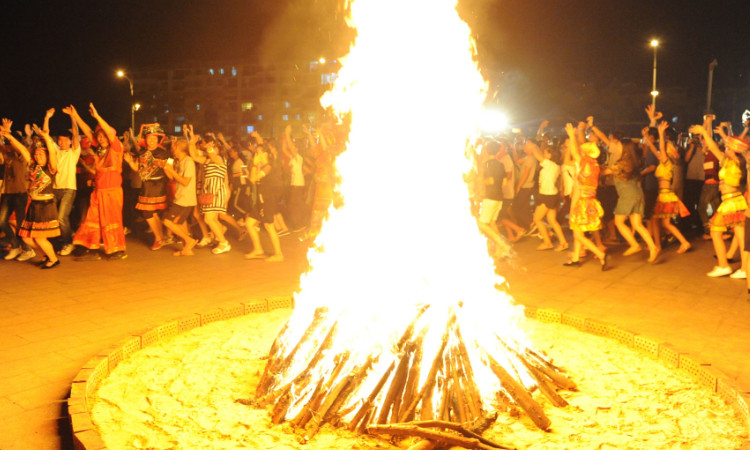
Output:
x=405 y=236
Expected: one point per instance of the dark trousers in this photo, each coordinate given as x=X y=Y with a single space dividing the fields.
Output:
x=13 y=203
x=522 y=207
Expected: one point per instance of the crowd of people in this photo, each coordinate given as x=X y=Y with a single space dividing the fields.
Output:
x=644 y=192
x=81 y=192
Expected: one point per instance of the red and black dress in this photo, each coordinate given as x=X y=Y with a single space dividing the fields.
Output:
x=153 y=195
x=41 y=214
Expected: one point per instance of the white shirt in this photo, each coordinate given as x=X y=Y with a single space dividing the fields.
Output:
x=66 y=168
x=548 y=177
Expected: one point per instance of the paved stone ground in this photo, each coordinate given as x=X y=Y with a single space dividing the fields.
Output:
x=52 y=322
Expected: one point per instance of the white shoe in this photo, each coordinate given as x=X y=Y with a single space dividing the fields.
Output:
x=13 y=253
x=719 y=272
x=204 y=242
x=738 y=274
x=26 y=255
x=221 y=248
x=67 y=249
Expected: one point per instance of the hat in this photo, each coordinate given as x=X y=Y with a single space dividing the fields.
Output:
x=148 y=129
x=590 y=149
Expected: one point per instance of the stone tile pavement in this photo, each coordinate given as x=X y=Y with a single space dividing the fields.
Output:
x=52 y=322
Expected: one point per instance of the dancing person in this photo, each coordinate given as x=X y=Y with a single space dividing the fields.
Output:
x=40 y=221
x=266 y=174
x=731 y=211
x=152 y=158
x=630 y=200
x=492 y=180
x=668 y=205
x=214 y=197
x=185 y=197
x=103 y=222
x=585 y=210
x=68 y=152
x=14 y=199
x=549 y=196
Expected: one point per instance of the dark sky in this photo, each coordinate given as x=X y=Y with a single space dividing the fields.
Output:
x=57 y=52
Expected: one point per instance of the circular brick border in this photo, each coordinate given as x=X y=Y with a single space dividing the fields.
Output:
x=86 y=437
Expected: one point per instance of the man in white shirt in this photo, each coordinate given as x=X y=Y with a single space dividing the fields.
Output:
x=68 y=152
x=185 y=198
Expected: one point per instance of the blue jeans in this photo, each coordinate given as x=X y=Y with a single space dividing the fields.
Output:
x=64 y=199
x=9 y=204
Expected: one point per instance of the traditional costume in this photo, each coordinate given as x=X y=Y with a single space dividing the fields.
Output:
x=41 y=220
x=153 y=195
x=668 y=205
x=103 y=221
x=731 y=211
x=586 y=211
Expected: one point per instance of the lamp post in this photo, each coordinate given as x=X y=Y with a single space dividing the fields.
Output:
x=654 y=92
x=121 y=74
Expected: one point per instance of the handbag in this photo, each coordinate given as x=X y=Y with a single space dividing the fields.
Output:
x=205 y=198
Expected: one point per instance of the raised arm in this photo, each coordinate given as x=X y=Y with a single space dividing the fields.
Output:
x=45 y=126
x=108 y=130
x=653 y=115
x=542 y=127
x=712 y=147
x=535 y=150
x=73 y=126
x=51 y=148
x=573 y=142
x=602 y=137
x=192 y=139
x=71 y=110
x=17 y=146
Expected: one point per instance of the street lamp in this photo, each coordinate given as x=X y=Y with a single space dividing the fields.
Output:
x=133 y=109
x=654 y=92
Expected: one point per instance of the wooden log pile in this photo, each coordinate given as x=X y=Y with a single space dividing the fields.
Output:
x=431 y=397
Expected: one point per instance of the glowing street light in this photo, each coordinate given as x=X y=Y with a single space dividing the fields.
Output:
x=654 y=92
x=322 y=60
x=133 y=106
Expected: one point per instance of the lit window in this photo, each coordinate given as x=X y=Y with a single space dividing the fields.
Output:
x=285 y=117
x=247 y=106
x=286 y=105
x=178 y=128
x=211 y=71
x=166 y=111
x=250 y=128
x=328 y=78
x=197 y=106
x=221 y=71
x=260 y=117
x=298 y=117
x=234 y=71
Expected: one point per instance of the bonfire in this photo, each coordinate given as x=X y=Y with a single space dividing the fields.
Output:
x=399 y=328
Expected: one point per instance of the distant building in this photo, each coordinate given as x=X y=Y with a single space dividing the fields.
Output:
x=232 y=97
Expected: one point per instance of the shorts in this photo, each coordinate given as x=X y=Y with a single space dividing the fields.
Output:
x=178 y=213
x=550 y=201
x=489 y=210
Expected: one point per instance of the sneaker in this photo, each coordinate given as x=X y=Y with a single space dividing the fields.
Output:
x=157 y=245
x=13 y=253
x=738 y=274
x=169 y=240
x=719 y=272
x=204 y=242
x=26 y=255
x=223 y=247
x=67 y=249
x=126 y=231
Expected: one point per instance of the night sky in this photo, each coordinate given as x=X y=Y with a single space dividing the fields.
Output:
x=60 y=52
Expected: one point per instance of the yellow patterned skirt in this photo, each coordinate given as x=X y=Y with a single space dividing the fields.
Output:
x=730 y=213
x=669 y=205
x=586 y=214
